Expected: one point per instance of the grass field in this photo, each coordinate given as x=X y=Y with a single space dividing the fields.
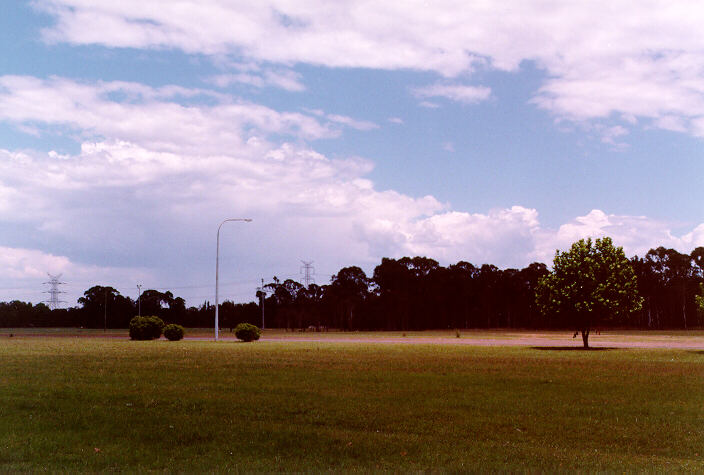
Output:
x=89 y=404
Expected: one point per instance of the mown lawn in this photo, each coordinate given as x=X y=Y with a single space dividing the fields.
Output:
x=85 y=404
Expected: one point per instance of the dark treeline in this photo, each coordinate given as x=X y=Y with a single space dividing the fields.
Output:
x=402 y=294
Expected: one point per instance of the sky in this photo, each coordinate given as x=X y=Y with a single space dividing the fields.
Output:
x=488 y=132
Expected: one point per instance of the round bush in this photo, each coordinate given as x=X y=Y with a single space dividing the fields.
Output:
x=173 y=332
x=247 y=332
x=146 y=328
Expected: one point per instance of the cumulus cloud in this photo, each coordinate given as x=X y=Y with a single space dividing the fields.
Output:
x=153 y=177
x=636 y=234
x=602 y=59
x=26 y=271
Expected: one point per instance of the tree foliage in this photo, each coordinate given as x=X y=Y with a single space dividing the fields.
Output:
x=410 y=293
x=247 y=332
x=174 y=332
x=146 y=328
x=591 y=284
x=699 y=298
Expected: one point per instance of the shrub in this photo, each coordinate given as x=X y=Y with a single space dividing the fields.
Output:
x=146 y=328
x=247 y=332
x=173 y=332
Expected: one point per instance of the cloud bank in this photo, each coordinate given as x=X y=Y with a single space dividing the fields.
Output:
x=155 y=169
x=154 y=176
x=630 y=62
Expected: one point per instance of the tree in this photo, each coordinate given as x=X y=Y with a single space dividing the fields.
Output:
x=589 y=285
x=699 y=298
x=350 y=289
x=530 y=277
x=462 y=293
x=156 y=303
x=100 y=303
x=393 y=281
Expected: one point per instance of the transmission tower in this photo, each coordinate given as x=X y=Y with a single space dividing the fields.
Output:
x=54 y=291
x=308 y=271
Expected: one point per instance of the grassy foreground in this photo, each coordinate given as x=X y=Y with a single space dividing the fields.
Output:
x=98 y=404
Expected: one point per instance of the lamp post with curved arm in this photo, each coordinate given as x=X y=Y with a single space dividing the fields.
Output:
x=217 y=269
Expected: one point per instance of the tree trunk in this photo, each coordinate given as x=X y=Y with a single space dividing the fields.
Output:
x=650 y=316
x=684 y=313
x=585 y=338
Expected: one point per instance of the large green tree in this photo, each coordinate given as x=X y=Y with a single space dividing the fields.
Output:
x=591 y=284
x=104 y=306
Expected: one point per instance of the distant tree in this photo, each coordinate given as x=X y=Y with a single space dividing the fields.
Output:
x=177 y=311
x=676 y=285
x=699 y=298
x=394 y=281
x=287 y=308
x=350 y=289
x=311 y=301
x=697 y=256
x=99 y=304
x=492 y=299
x=462 y=293
x=156 y=303
x=589 y=285
x=530 y=276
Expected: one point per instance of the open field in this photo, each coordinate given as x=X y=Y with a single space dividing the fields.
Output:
x=692 y=339
x=112 y=404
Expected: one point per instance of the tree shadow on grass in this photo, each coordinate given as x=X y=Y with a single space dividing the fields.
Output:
x=574 y=348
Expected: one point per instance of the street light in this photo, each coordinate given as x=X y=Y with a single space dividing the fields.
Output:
x=217 y=268
x=139 y=299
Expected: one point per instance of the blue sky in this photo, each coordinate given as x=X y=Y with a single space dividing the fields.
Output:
x=348 y=132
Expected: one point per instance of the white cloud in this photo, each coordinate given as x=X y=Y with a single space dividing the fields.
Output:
x=25 y=272
x=256 y=77
x=613 y=132
x=503 y=237
x=146 y=115
x=454 y=92
x=344 y=120
x=636 y=234
x=622 y=59
x=353 y=123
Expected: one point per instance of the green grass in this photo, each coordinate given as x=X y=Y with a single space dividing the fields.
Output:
x=206 y=406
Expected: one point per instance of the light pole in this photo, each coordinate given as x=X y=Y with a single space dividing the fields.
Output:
x=263 y=297
x=139 y=299
x=217 y=269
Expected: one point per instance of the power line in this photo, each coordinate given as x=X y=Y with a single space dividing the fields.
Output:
x=306 y=274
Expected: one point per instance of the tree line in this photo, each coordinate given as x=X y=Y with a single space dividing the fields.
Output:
x=410 y=293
